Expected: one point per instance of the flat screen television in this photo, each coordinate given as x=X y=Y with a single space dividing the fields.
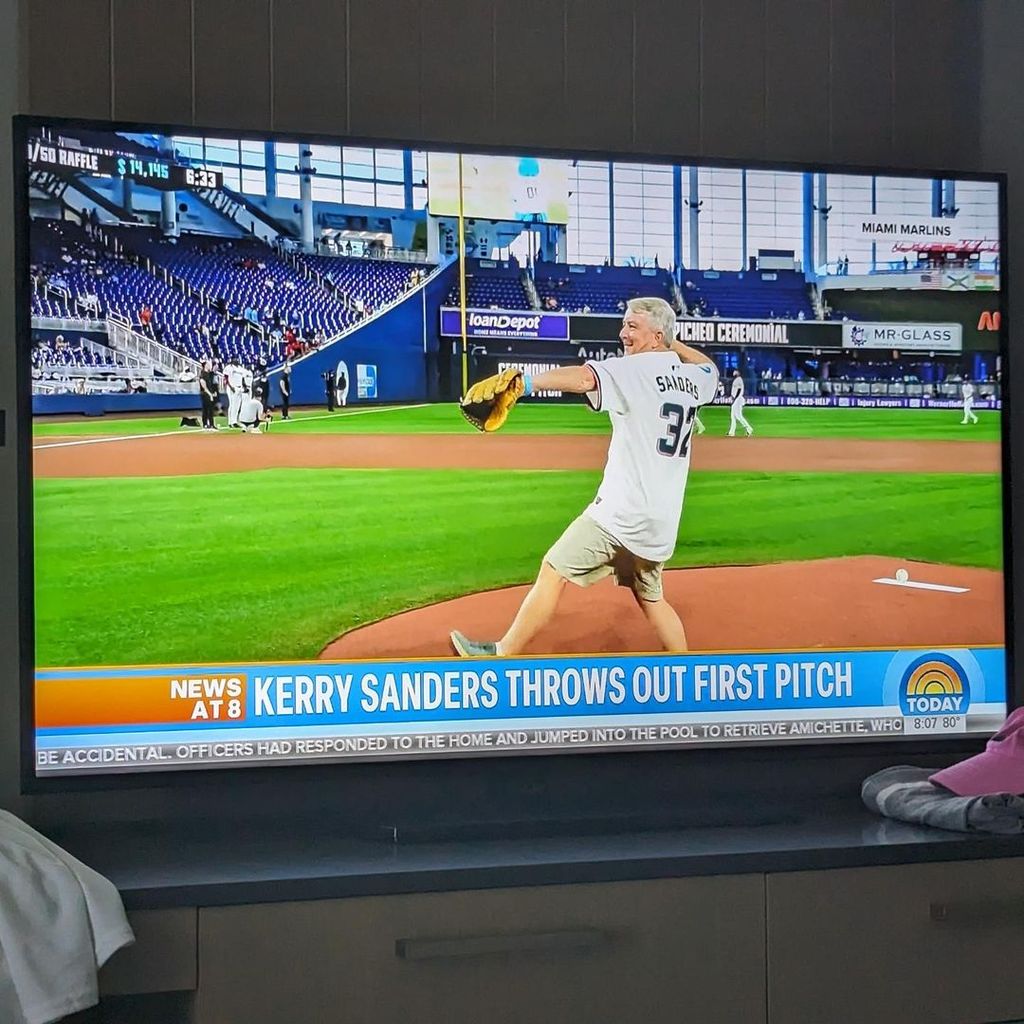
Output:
x=823 y=400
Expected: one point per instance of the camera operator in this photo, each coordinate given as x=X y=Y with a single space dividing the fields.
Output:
x=329 y=387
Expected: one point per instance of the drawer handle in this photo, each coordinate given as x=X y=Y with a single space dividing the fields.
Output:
x=990 y=912
x=488 y=945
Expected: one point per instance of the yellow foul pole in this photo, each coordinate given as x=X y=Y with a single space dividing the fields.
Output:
x=462 y=284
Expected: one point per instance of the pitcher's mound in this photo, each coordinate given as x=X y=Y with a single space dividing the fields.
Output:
x=828 y=603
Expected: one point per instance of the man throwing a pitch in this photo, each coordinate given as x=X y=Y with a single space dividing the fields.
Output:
x=652 y=394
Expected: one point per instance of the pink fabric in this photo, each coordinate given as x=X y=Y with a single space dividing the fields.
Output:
x=997 y=769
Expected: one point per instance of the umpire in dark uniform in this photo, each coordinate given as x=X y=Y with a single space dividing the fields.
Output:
x=209 y=389
x=285 y=385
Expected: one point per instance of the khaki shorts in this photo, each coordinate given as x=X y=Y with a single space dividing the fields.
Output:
x=586 y=553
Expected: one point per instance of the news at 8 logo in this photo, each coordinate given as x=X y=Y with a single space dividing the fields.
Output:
x=934 y=684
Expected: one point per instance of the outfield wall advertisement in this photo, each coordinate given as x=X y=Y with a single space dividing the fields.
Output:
x=860 y=402
x=904 y=337
x=486 y=323
x=229 y=714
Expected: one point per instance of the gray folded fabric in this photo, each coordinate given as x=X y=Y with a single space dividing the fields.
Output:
x=905 y=793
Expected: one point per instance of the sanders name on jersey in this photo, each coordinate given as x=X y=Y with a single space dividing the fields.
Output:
x=669 y=382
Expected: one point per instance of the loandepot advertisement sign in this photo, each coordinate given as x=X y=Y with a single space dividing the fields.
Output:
x=500 y=323
x=110 y=720
x=904 y=337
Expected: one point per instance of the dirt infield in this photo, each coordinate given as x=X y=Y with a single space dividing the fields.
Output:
x=829 y=603
x=187 y=454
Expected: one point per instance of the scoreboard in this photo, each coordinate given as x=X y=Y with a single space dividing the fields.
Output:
x=166 y=174
x=152 y=171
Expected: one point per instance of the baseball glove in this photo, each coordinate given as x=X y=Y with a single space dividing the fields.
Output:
x=489 y=401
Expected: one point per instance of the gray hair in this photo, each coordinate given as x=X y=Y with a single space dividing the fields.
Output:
x=660 y=315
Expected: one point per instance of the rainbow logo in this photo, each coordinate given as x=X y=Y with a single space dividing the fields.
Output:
x=934 y=684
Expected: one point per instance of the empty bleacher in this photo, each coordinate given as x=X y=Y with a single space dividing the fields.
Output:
x=491 y=285
x=244 y=274
x=750 y=294
x=359 y=281
x=575 y=289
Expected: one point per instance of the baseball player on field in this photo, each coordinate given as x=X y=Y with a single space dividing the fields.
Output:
x=234 y=379
x=736 y=409
x=967 y=391
x=651 y=394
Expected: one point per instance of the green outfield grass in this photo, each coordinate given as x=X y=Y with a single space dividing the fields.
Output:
x=894 y=424
x=274 y=564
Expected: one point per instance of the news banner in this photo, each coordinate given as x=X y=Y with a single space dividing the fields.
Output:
x=110 y=720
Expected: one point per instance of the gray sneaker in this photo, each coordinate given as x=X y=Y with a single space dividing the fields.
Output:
x=466 y=648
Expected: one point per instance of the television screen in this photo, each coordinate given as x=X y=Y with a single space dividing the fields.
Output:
x=744 y=484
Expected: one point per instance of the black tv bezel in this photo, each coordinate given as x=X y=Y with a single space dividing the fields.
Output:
x=734 y=754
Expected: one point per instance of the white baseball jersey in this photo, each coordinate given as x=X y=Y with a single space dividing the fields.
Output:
x=249 y=410
x=967 y=390
x=235 y=376
x=737 y=388
x=652 y=399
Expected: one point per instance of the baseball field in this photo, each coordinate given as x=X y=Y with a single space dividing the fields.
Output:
x=373 y=531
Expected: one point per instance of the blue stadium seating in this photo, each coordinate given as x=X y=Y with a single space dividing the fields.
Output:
x=483 y=292
x=68 y=259
x=752 y=294
x=376 y=282
x=240 y=282
x=72 y=354
x=598 y=289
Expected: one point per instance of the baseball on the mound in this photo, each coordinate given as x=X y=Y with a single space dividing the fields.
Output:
x=902 y=575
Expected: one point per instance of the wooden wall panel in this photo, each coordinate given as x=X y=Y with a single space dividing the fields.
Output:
x=153 y=67
x=457 y=71
x=934 y=87
x=732 y=78
x=885 y=81
x=529 y=71
x=667 y=77
x=1002 y=149
x=796 y=79
x=310 y=61
x=599 y=74
x=69 y=57
x=232 y=57
x=384 y=68
x=861 y=90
